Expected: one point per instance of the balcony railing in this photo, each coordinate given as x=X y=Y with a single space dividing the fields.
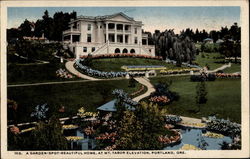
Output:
x=70 y=31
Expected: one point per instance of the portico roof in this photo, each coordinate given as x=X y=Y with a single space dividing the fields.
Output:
x=104 y=18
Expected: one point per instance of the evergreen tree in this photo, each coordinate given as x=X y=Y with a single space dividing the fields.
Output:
x=201 y=93
x=48 y=136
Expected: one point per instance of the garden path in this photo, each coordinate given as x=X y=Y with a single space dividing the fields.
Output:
x=220 y=68
x=69 y=66
x=149 y=86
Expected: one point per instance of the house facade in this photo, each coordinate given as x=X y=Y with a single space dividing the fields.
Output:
x=108 y=34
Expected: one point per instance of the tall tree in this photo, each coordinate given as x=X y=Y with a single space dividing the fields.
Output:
x=25 y=28
x=48 y=136
x=201 y=93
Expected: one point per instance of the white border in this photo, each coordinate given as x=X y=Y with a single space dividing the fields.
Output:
x=194 y=154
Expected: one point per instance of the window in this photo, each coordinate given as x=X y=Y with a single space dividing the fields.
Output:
x=93 y=49
x=136 y=40
x=89 y=26
x=149 y=50
x=85 y=49
x=89 y=38
x=135 y=30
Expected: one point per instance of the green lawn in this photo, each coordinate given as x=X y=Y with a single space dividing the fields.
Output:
x=209 y=58
x=233 y=68
x=34 y=73
x=224 y=98
x=115 y=64
x=89 y=95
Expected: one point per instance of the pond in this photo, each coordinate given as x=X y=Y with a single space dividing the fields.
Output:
x=190 y=136
x=193 y=136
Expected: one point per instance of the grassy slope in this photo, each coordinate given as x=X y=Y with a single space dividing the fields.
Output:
x=224 y=98
x=115 y=64
x=208 y=59
x=34 y=73
x=233 y=68
x=73 y=96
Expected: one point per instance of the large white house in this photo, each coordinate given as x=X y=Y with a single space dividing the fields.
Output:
x=107 y=34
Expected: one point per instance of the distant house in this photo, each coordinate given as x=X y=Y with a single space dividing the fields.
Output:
x=219 y=41
x=208 y=40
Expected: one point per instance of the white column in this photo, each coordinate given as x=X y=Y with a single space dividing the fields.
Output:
x=71 y=38
x=98 y=32
x=139 y=46
x=123 y=33
x=108 y=47
x=147 y=41
x=107 y=34
x=115 y=33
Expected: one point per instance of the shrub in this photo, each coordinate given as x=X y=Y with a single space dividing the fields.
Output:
x=224 y=126
x=211 y=77
x=197 y=78
x=172 y=119
x=203 y=77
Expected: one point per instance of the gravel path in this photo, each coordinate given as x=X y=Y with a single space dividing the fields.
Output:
x=220 y=68
x=149 y=86
x=69 y=66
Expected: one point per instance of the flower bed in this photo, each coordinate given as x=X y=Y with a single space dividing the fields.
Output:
x=142 y=68
x=213 y=135
x=82 y=113
x=228 y=75
x=115 y=55
x=89 y=130
x=69 y=127
x=224 y=126
x=160 y=99
x=170 y=140
x=96 y=73
x=189 y=147
x=178 y=71
x=193 y=125
x=107 y=136
x=173 y=119
x=62 y=73
x=74 y=138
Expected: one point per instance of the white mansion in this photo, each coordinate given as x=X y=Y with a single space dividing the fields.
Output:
x=108 y=34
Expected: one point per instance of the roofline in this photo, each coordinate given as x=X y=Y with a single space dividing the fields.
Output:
x=103 y=18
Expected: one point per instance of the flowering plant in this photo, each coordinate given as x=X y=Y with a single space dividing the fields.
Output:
x=82 y=113
x=69 y=126
x=213 y=135
x=74 y=138
x=160 y=99
x=29 y=129
x=173 y=119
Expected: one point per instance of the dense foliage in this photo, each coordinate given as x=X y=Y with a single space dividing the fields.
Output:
x=46 y=136
x=224 y=126
x=203 y=77
x=162 y=89
x=169 y=45
x=173 y=119
x=51 y=27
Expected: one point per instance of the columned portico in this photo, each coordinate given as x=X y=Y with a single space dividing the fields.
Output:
x=115 y=33
x=107 y=34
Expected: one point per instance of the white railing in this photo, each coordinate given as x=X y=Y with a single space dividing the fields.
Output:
x=104 y=46
x=71 y=31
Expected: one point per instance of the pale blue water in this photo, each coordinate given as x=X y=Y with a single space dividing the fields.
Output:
x=189 y=136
